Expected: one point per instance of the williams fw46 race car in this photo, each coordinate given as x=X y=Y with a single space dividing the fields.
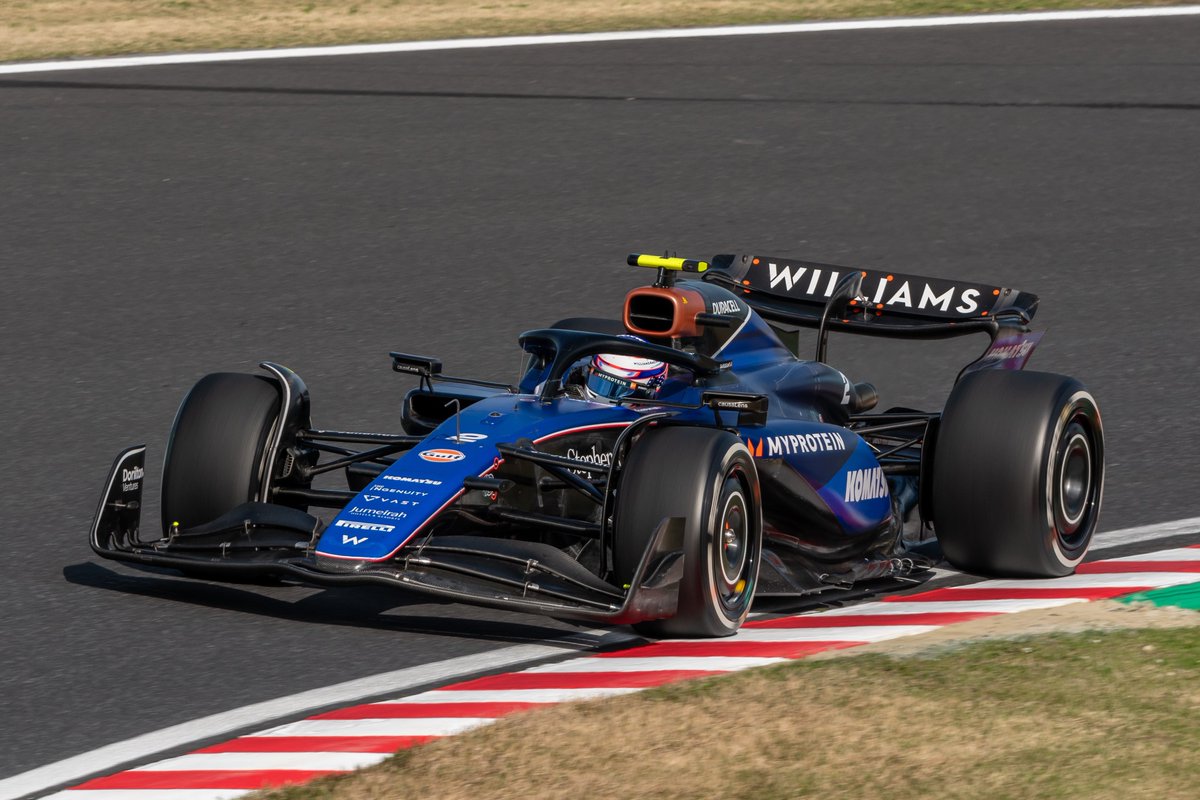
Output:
x=661 y=470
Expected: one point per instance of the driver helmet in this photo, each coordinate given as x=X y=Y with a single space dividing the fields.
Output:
x=612 y=377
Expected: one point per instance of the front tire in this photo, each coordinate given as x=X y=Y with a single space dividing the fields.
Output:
x=218 y=445
x=707 y=477
x=1018 y=474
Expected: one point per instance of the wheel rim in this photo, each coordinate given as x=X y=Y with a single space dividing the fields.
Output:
x=734 y=548
x=1075 y=485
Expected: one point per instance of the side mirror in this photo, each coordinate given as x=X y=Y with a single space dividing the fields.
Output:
x=847 y=289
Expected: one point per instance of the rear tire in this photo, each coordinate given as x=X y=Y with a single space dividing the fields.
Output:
x=708 y=477
x=215 y=455
x=1018 y=474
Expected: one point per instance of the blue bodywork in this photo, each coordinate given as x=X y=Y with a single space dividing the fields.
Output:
x=824 y=492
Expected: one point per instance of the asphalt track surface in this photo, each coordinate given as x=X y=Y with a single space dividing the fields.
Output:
x=161 y=223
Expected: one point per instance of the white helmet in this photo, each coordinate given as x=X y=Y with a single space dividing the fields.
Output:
x=613 y=377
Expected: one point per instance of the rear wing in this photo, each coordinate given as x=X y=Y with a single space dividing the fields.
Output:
x=888 y=303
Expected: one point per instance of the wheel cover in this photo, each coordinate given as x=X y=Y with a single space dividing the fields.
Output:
x=1076 y=486
x=735 y=547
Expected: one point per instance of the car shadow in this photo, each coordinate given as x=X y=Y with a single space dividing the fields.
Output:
x=361 y=607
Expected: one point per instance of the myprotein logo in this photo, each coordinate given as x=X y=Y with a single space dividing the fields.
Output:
x=364 y=526
x=865 y=484
x=442 y=455
x=795 y=444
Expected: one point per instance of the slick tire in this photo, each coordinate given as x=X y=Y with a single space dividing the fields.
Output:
x=707 y=477
x=215 y=455
x=1018 y=474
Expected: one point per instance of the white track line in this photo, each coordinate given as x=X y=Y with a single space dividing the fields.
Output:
x=510 y=695
x=256 y=762
x=954 y=606
x=379 y=726
x=1178 y=554
x=656 y=664
x=1116 y=580
x=1160 y=530
x=583 y=38
x=857 y=633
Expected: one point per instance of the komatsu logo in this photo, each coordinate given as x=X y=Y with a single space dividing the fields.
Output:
x=865 y=484
x=407 y=479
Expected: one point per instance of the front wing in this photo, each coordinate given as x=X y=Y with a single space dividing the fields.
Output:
x=260 y=540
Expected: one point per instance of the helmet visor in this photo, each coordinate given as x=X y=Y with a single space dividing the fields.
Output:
x=608 y=387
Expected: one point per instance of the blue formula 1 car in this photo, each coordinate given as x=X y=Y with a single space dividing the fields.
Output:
x=659 y=470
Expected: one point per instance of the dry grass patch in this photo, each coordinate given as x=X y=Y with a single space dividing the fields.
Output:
x=32 y=29
x=1101 y=714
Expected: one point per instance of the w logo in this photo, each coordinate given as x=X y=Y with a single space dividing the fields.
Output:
x=354 y=540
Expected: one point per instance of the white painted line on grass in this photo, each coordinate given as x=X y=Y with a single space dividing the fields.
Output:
x=142 y=747
x=584 y=38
